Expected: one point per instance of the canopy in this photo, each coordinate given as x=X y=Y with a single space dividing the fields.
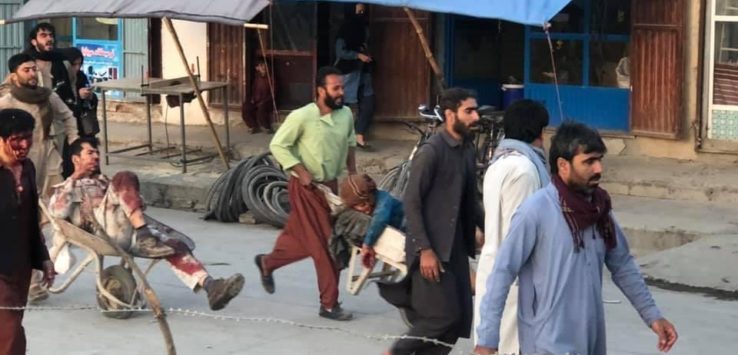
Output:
x=232 y=12
x=527 y=12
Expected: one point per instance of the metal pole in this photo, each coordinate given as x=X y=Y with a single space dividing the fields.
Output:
x=182 y=130
x=148 y=120
x=105 y=129
x=196 y=86
x=227 y=125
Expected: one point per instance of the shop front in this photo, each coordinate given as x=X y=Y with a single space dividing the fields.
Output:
x=589 y=44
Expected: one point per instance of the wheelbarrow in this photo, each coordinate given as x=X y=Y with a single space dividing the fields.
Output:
x=117 y=290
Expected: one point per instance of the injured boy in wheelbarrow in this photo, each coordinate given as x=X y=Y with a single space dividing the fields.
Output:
x=368 y=211
x=89 y=199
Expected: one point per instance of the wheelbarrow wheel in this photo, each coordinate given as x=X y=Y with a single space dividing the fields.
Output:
x=119 y=282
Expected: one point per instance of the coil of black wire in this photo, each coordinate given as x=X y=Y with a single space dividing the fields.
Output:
x=256 y=185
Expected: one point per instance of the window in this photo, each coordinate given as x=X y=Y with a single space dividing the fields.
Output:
x=97 y=28
x=590 y=40
x=722 y=66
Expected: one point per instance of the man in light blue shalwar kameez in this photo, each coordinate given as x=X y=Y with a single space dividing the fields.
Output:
x=557 y=244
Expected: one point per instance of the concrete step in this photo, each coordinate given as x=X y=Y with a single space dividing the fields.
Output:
x=656 y=224
x=671 y=179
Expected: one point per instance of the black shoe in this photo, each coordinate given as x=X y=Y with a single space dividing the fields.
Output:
x=266 y=281
x=223 y=291
x=149 y=246
x=336 y=313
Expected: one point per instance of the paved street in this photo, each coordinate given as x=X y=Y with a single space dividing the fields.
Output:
x=706 y=325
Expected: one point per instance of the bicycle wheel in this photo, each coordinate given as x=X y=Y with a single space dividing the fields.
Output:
x=389 y=179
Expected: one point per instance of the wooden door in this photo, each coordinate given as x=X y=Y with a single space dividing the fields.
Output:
x=657 y=67
x=225 y=56
x=402 y=76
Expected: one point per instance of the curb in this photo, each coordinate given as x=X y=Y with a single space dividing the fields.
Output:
x=707 y=291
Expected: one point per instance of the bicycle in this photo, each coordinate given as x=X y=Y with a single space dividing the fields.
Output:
x=490 y=132
x=395 y=181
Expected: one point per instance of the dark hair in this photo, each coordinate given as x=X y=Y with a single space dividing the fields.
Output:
x=323 y=73
x=41 y=26
x=14 y=121
x=17 y=59
x=451 y=98
x=75 y=149
x=71 y=54
x=525 y=120
x=573 y=138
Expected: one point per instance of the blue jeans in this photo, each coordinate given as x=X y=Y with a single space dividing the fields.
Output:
x=358 y=90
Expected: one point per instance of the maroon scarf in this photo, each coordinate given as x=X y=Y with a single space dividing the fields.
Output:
x=580 y=213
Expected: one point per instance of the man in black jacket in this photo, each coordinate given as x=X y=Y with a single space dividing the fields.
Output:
x=21 y=243
x=442 y=212
x=53 y=73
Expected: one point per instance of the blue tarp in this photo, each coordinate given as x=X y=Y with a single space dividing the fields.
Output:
x=527 y=12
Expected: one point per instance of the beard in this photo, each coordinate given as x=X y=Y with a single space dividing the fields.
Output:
x=585 y=186
x=31 y=84
x=460 y=128
x=335 y=103
x=45 y=47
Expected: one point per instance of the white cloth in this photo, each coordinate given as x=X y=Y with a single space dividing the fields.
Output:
x=507 y=183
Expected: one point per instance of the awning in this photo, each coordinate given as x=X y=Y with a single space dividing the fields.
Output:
x=527 y=12
x=232 y=12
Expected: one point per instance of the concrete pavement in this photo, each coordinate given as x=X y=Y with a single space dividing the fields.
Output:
x=706 y=325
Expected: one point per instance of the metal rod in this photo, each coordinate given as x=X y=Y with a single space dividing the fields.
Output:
x=199 y=73
x=182 y=131
x=148 y=120
x=105 y=129
x=129 y=149
x=227 y=124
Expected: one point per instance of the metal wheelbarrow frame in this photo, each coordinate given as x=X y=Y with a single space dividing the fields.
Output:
x=116 y=276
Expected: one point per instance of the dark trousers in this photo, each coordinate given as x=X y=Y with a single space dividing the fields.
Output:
x=365 y=114
x=305 y=235
x=439 y=310
x=13 y=293
x=258 y=114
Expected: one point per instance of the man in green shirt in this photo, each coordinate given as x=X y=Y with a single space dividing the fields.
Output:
x=314 y=145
